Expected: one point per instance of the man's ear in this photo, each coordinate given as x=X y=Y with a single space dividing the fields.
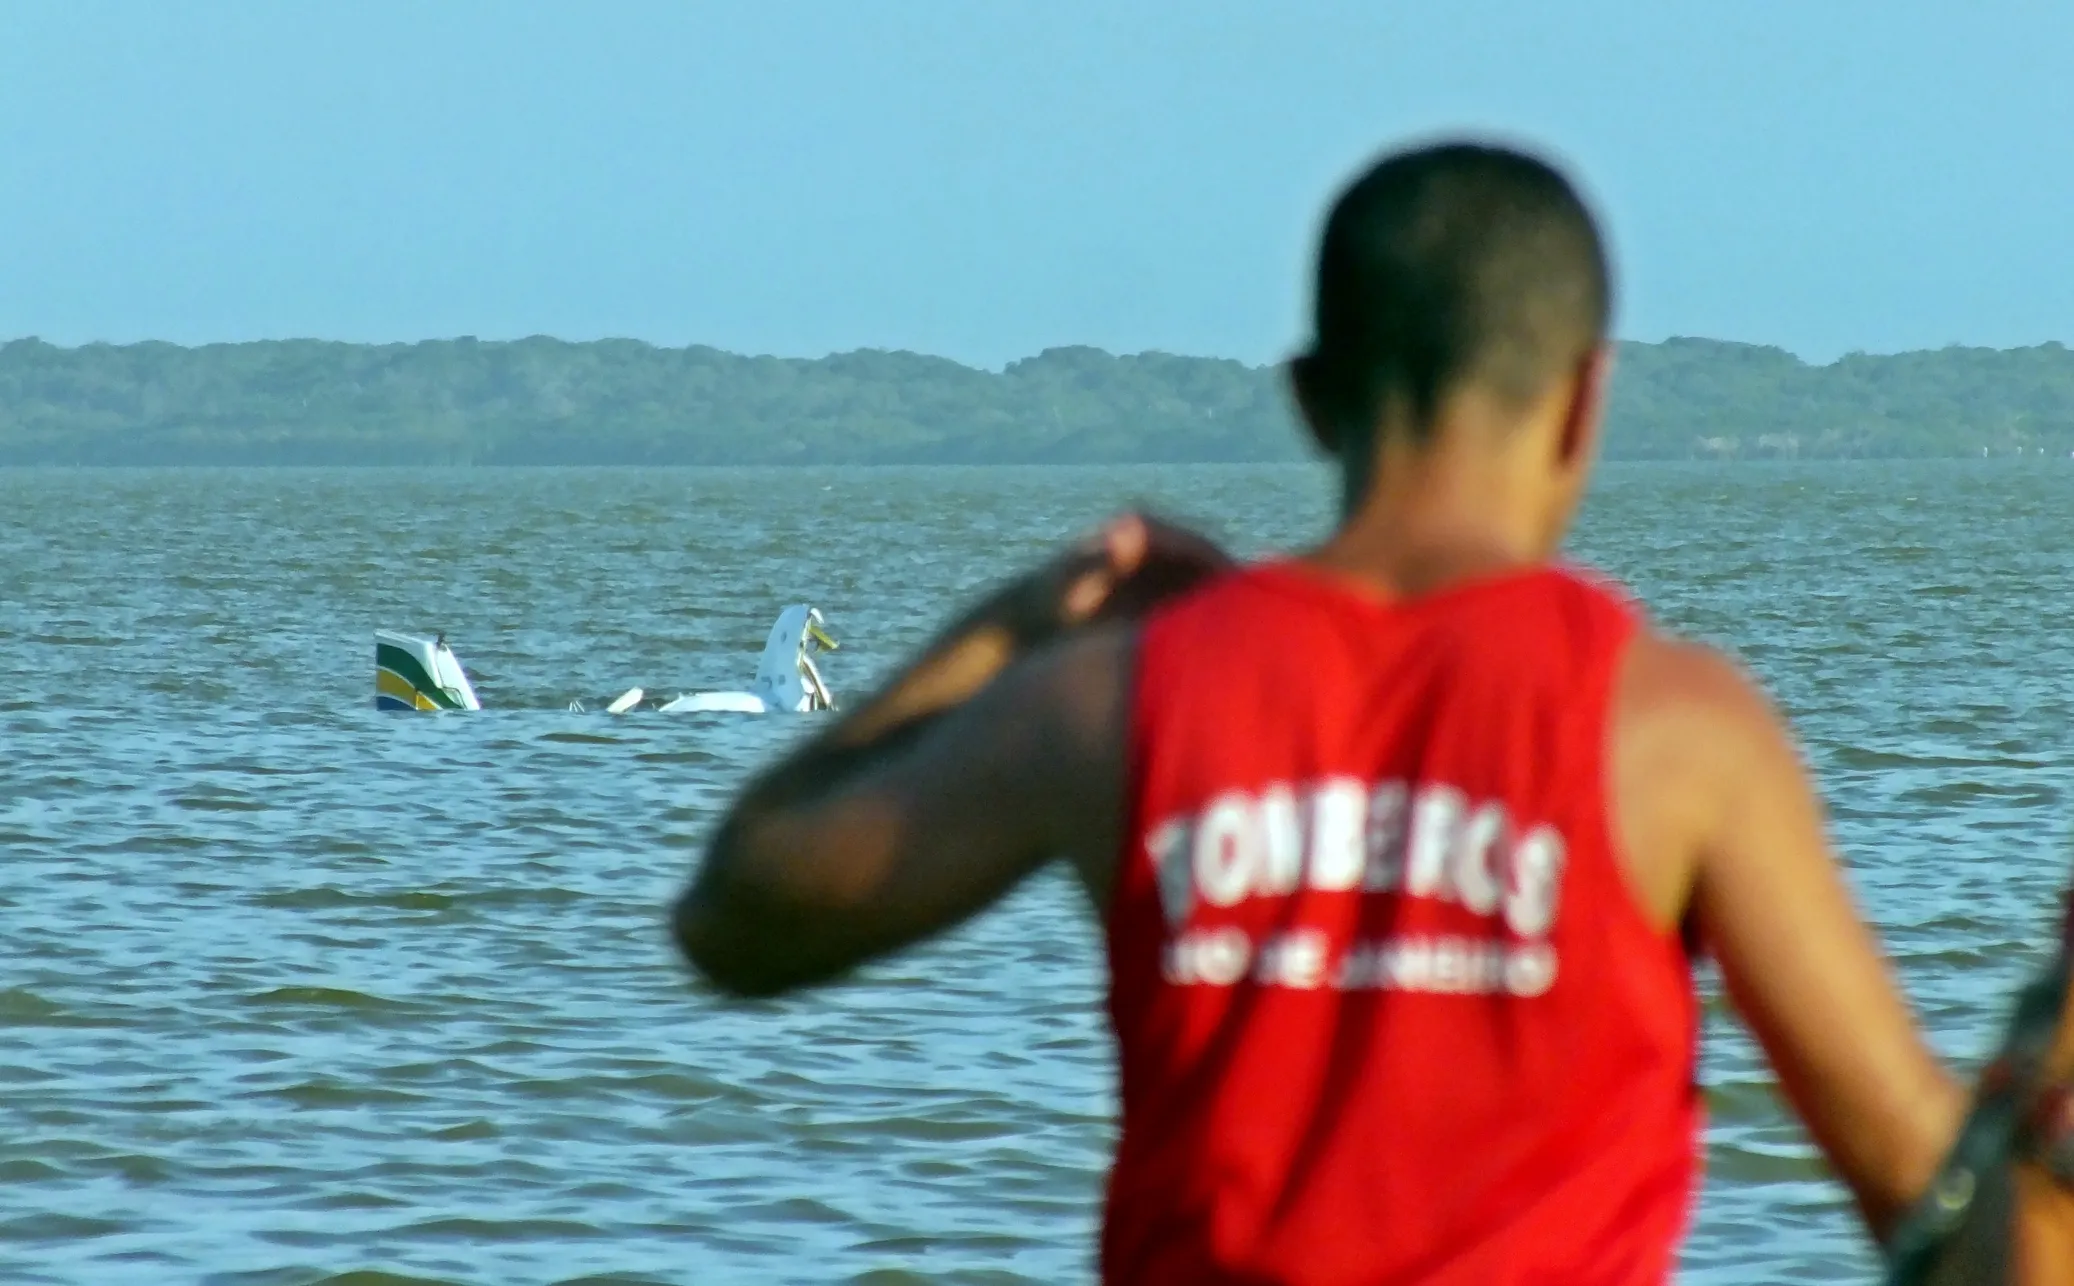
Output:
x=1302 y=376
x=1578 y=440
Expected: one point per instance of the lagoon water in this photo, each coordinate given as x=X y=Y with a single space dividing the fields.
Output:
x=295 y=992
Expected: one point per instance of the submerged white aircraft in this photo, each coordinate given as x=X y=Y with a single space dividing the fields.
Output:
x=786 y=676
x=413 y=673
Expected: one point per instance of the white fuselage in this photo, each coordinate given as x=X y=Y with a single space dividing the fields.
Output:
x=786 y=677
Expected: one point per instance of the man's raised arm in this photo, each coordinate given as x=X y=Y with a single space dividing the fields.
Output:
x=998 y=749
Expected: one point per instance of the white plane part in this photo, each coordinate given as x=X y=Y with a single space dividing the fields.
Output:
x=786 y=677
x=416 y=673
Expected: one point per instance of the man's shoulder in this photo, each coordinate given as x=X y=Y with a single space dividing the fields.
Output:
x=1691 y=736
x=1669 y=665
x=1692 y=696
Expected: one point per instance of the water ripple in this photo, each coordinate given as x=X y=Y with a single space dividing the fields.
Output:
x=298 y=993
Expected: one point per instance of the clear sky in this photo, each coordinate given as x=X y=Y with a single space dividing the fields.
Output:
x=986 y=179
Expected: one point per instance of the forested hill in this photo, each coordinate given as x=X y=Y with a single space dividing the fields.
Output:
x=545 y=401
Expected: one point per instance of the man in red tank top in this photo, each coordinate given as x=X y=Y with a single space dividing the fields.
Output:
x=1402 y=847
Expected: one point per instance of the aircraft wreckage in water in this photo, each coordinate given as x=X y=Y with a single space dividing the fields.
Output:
x=416 y=673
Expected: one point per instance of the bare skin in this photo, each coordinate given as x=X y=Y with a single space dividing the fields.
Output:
x=1001 y=749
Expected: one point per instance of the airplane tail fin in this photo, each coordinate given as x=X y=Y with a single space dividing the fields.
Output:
x=415 y=673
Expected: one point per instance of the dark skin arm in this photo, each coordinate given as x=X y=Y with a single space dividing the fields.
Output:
x=997 y=750
x=1721 y=821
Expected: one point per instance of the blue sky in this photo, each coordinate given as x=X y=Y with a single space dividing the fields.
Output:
x=983 y=180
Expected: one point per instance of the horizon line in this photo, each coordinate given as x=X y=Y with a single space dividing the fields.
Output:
x=38 y=340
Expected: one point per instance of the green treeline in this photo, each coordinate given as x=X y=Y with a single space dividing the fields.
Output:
x=544 y=401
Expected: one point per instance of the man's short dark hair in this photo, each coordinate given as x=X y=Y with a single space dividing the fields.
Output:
x=1446 y=266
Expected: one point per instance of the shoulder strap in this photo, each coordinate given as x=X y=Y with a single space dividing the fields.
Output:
x=1960 y=1229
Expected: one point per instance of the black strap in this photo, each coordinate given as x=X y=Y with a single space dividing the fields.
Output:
x=2015 y=1114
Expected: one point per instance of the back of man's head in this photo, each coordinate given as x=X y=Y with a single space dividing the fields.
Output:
x=1444 y=267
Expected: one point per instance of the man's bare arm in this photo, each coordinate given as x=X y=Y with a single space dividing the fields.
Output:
x=996 y=750
x=1765 y=888
x=922 y=839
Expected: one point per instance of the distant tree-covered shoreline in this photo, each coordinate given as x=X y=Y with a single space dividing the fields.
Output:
x=544 y=401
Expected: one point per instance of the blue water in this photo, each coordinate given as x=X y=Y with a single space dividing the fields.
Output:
x=300 y=993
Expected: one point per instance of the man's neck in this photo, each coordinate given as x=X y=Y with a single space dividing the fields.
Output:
x=1461 y=507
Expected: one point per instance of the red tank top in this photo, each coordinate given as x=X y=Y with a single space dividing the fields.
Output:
x=1386 y=1011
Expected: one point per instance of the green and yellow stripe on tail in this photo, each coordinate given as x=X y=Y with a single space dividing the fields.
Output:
x=413 y=673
